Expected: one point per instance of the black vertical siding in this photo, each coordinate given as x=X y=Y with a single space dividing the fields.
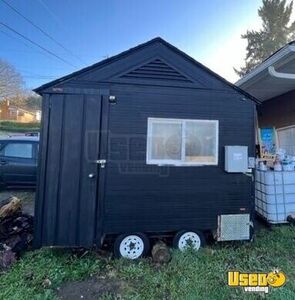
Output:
x=154 y=198
x=69 y=165
x=53 y=169
x=89 y=208
x=129 y=195
x=41 y=174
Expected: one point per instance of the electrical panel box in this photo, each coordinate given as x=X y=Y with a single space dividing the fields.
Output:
x=236 y=159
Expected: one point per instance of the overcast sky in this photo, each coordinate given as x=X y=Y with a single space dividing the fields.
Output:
x=87 y=31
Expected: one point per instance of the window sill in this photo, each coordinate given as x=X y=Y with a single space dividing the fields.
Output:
x=182 y=164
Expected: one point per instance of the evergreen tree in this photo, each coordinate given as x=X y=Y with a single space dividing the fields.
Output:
x=275 y=33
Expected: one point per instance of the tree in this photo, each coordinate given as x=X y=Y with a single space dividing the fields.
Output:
x=275 y=33
x=33 y=102
x=10 y=81
x=28 y=101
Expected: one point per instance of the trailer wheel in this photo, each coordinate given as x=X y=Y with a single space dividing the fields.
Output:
x=185 y=239
x=131 y=246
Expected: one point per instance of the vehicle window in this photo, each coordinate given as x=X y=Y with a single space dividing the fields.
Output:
x=20 y=150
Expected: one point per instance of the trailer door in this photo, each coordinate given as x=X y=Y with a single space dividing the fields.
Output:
x=72 y=165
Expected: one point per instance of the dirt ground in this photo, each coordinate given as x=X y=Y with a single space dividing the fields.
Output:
x=89 y=289
x=27 y=197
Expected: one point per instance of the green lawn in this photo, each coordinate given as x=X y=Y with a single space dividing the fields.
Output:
x=201 y=275
x=10 y=126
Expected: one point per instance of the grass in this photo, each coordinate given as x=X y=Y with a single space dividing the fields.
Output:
x=12 y=126
x=189 y=275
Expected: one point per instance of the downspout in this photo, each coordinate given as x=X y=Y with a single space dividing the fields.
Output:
x=272 y=72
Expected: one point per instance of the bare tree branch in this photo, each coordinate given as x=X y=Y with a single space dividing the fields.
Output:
x=10 y=81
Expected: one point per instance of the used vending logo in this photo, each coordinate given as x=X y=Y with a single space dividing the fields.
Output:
x=256 y=282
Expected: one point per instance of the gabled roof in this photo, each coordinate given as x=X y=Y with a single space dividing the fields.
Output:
x=129 y=52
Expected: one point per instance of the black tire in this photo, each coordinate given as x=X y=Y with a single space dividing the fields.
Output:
x=179 y=234
x=119 y=240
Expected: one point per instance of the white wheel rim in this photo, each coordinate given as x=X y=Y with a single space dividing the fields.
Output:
x=189 y=239
x=131 y=247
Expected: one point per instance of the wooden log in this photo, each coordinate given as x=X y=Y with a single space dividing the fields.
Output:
x=12 y=207
x=161 y=253
x=4 y=201
x=16 y=231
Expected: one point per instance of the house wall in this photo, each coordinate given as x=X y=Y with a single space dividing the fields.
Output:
x=278 y=112
x=4 y=110
x=24 y=117
x=13 y=113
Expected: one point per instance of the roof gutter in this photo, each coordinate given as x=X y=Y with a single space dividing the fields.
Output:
x=272 y=72
x=270 y=62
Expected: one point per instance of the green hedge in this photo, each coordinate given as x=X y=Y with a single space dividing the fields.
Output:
x=11 y=126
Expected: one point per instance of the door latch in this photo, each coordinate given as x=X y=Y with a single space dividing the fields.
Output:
x=101 y=162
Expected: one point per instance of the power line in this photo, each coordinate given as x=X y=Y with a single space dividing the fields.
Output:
x=17 y=38
x=41 y=30
x=37 y=45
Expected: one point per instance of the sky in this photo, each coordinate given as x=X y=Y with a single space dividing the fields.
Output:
x=87 y=31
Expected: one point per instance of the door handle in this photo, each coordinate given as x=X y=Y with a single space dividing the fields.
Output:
x=3 y=162
x=91 y=175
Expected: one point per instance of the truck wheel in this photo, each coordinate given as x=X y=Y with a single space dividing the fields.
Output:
x=131 y=246
x=185 y=239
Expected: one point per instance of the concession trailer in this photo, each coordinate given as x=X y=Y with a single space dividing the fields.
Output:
x=144 y=144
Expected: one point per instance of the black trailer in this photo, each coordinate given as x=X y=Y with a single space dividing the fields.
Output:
x=148 y=142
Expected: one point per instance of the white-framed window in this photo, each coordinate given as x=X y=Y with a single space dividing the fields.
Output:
x=182 y=142
x=286 y=137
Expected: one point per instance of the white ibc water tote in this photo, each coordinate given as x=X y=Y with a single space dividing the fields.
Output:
x=275 y=195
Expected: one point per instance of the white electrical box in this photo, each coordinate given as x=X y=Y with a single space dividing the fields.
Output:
x=236 y=159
